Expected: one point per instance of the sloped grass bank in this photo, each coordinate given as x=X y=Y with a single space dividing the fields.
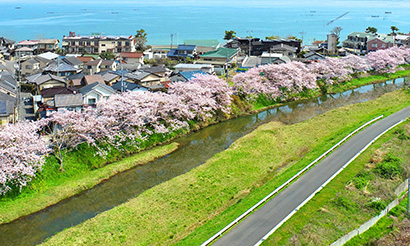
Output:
x=392 y=229
x=45 y=193
x=202 y=201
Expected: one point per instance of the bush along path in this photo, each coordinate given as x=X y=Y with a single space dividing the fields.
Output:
x=127 y=123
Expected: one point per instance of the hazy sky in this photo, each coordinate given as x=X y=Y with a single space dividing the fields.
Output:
x=255 y=3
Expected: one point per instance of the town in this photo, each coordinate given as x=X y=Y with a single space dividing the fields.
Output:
x=38 y=77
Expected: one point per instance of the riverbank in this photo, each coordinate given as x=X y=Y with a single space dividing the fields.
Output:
x=36 y=197
x=172 y=210
x=13 y=208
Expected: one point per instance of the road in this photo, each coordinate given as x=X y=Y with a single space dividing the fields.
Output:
x=257 y=225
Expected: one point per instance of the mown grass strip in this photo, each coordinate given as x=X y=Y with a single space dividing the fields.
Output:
x=14 y=208
x=202 y=201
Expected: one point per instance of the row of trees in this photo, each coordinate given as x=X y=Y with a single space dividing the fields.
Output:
x=133 y=117
x=278 y=82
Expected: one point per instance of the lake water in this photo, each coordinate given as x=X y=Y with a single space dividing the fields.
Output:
x=198 y=19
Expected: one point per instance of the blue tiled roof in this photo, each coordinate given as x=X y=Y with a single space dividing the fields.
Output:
x=186 y=47
x=190 y=74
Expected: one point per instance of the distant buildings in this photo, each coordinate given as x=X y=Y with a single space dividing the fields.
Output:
x=97 y=44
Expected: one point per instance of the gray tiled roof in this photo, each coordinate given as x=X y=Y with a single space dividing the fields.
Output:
x=72 y=60
x=7 y=104
x=73 y=100
x=61 y=67
x=41 y=78
x=88 y=88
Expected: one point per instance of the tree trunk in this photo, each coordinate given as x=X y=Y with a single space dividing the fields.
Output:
x=59 y=157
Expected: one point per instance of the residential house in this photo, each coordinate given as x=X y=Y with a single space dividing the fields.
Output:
x=71 y=102
x=8 y=84
x=274 y=58
x=95 y=92
x=185 y=76
x=110 y=77
x=6 y=48
x=97 y=44
x=219 y=57
x=30 y=66
x=24 y=52
x=8 y=111
x=160 y=71
x=381 y=42
x=204 y=45
x=92 y=67
x=44 y=81
x=49 y=56
x=47 y=45
x=61 y=68
x=402 y=39
x=50 y=93
x=122 y=86
x=143 y=78
x=91 y=79
x=284 y=49
x=358 y=41
x=75 y=80
x=85 y=59
x=182 y=67
x=157 y=52
x=313 y=56
x=131 y=57
x=108 y=65
x=256 y=46
x=73 y=61
x=182 y=52
x=27 y=48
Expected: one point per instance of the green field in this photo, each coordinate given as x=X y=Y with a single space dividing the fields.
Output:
x=191 y=207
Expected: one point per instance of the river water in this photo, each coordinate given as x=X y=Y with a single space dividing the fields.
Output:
x=194 y=150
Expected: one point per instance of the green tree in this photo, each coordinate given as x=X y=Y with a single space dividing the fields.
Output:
x=141 y=38
x=371 y=29
x=107 y=55
x=229 y=35
x=272 y=37
x=394 y=30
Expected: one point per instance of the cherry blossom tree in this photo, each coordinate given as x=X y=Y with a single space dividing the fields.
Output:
x=22 y=153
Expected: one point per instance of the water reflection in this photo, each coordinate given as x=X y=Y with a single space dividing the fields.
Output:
x=194 y=150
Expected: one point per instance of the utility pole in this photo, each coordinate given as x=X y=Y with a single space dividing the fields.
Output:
x=18 y=89
x=172 y=37
x=122 y=76
x=250 y=38
x=302 y=32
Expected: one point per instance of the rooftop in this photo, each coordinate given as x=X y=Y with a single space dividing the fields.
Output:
x=221 y=53
x=203 y=42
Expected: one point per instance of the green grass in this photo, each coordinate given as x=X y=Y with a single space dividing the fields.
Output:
x=383 y=227
x=357 y=194
x=49 y=192
x=197 y=204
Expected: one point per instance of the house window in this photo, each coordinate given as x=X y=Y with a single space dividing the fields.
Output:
x=96 y=50
x=119 y=43
x=88 y=43
x=119 y=50
x=28 y=67
x=374 y=45
x=127 y=43
x=72 y=42
x=383 y=46
x=103 y=45
x=92 y=100
x=89 y=67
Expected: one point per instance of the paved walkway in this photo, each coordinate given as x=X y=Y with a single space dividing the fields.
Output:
x=258 y=224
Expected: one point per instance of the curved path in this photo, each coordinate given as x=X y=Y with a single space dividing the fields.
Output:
x=252 y=229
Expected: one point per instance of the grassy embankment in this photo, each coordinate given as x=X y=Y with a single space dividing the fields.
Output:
x=357 y=194
x=43 y=193
x=199 y=203
x=389 y=230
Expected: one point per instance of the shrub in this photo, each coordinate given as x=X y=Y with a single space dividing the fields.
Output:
x=389 y=167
